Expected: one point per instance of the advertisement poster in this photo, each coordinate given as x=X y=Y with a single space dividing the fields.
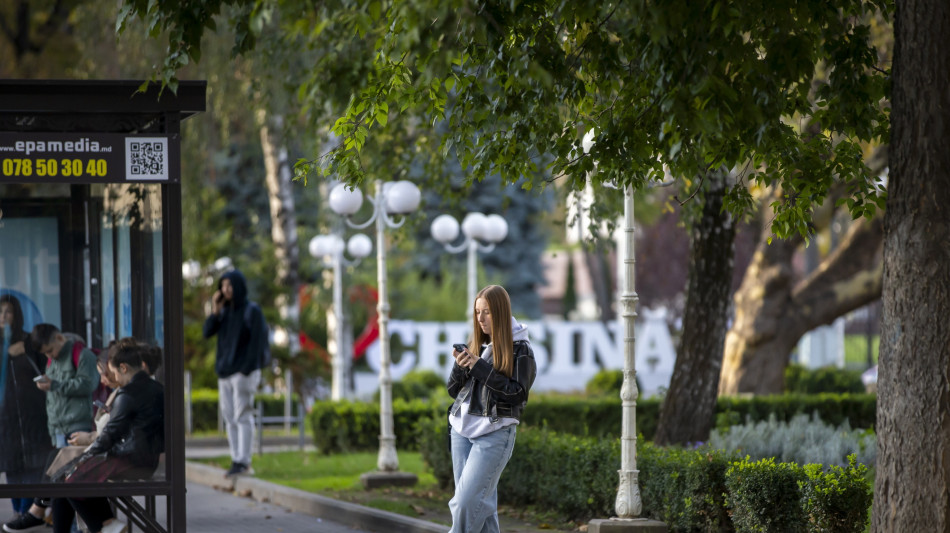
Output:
x=29 y=267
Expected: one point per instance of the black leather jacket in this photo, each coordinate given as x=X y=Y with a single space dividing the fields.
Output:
x=491 y=393
x=136 y=427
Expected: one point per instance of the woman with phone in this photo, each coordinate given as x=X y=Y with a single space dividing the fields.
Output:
x=126 y=448
x=24 y=440
x=489 y=381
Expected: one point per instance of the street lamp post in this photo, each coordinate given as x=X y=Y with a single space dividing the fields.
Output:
x=628 y=504
x=330 y=248
x=476 y=227
x=392 y=198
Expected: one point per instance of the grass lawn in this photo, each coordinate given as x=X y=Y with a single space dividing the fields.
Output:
x=338 y=477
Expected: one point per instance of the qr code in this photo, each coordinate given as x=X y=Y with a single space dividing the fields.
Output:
x=146 y=158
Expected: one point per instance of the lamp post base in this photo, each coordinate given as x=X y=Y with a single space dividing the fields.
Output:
x=377 y=479
x=626 y=525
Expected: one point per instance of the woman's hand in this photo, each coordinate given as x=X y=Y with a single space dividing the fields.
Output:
x=81 y=438
x=17 y=349
x=464 y=359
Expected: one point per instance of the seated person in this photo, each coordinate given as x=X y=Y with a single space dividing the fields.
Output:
x=127 y=447
x=107 y=382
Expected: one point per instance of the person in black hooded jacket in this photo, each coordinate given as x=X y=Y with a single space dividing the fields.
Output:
x=242 y=341
x=24 y=440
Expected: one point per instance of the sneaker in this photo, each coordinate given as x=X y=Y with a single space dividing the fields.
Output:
x=24 y=522
x=116 y=526
x=239 y=469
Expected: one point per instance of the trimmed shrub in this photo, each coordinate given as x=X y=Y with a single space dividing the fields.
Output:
x=685 y=488
x=586 y=417
x=204 y=407
x=354 y=426
x=802 y=380
x=764 y=496
x=690 y=490
x=435 y=448
x=859 y=409
x=837 y=499
x=417 y=385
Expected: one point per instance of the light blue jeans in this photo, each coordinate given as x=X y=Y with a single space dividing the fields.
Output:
x=477 y=464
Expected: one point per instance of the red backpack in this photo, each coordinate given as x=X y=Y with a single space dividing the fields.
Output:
x=77 y=350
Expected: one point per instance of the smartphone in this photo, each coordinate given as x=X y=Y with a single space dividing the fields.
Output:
x=460 y=347
x=98 y=404
x=39 y=378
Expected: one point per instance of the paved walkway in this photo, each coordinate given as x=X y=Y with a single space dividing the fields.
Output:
x=213 y=511
x=219 y=505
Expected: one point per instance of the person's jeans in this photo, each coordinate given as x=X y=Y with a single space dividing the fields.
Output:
x=22 y=505
x=236 y=395
x=477 y=464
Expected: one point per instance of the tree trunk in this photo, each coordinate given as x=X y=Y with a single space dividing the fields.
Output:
x=690 y=403
x=773 y=309
x=912 y=485
x=283 y=220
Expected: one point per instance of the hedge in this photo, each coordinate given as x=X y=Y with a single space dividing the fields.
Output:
x=204 y=408
x=347 y=426
x=352 y=426
x=689 y=490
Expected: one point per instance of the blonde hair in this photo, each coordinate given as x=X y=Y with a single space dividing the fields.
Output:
x=499 y=305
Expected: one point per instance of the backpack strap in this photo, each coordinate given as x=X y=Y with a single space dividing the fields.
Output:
x=77 y=351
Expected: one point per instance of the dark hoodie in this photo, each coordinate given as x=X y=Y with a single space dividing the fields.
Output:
x=240 y=345
x=24 y=437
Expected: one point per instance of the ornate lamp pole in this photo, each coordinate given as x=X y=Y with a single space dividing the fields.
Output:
x=392 y=198
x=628 y=504
x=330 y=249
x=476 y=227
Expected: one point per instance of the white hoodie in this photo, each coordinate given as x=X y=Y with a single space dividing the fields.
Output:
x=473 y=426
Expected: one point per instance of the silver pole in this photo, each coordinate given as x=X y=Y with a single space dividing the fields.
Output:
x=288 y=400
x=388 y=461
x=472 y=277
x=338 y=388
x=628 y=504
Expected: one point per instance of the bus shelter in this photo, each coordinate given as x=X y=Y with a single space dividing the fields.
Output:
x=90 y=242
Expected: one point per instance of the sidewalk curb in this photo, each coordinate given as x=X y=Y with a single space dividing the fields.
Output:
x=300 y=501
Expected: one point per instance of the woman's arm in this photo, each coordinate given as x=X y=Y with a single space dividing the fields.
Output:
x=513 y=390
x=120 y=423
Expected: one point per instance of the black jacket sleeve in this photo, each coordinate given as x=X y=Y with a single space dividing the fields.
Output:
x=456 y=380
x=119 y=425
x=212 y=324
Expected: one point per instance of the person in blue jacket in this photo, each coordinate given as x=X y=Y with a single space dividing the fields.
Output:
x=242 y=342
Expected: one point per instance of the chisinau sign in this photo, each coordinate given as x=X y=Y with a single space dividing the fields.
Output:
x=567 y=353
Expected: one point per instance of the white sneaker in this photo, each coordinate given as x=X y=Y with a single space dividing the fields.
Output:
x=116 y=526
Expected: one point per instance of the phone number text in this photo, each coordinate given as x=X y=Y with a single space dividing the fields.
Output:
x=54 y=167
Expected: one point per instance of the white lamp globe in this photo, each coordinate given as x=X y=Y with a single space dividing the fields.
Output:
x=335 y=245
x=402 y=197
x=344 y=200
x=496 y=228
x=359 y=246
x=190 y=270
x=318 y=246
x=223 y=263
x=444 y=229
x=473 y=226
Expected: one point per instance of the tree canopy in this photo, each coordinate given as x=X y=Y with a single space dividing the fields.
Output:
x=785 y=92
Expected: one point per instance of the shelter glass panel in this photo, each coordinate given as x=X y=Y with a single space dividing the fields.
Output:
x=80 y=271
